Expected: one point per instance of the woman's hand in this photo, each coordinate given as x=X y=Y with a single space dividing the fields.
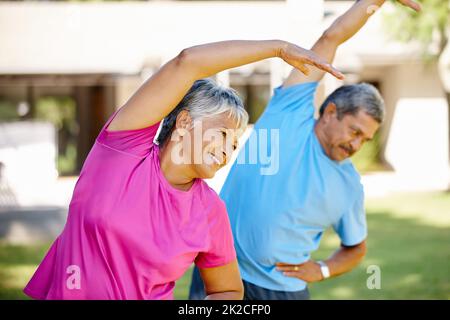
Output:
x=299 y=58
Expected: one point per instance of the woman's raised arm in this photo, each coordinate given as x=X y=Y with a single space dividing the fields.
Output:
x=160 y=94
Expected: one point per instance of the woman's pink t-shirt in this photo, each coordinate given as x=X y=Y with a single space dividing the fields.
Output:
x=129 y=234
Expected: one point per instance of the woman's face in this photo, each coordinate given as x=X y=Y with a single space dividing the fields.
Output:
x=206 y=145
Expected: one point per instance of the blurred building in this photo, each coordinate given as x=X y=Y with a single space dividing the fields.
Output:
x=72 y=64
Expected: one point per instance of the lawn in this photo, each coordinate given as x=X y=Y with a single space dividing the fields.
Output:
x=409 y=239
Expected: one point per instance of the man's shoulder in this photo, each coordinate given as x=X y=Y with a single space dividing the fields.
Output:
x=293 y=98
x=352 y=176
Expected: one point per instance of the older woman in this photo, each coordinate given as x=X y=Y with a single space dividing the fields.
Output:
x=141 y=214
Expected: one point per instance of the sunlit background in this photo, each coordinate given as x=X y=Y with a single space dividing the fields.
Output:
x=66 y=66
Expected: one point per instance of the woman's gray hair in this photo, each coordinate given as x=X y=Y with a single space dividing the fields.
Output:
x=205 y=99
x=349 y=99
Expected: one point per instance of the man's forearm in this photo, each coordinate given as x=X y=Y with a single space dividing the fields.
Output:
x=341 y=30
x=348 y=24
x=345 y=259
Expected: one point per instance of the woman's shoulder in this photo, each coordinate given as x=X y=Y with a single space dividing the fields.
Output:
x=210 y=198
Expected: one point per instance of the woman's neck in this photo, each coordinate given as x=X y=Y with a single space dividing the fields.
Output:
x=178 y=175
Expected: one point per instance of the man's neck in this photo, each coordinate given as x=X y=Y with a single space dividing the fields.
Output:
x=320 y=134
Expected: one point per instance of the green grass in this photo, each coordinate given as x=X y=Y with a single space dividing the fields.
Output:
x=409 y=239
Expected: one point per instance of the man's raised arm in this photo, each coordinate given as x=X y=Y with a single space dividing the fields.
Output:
x=342 y=29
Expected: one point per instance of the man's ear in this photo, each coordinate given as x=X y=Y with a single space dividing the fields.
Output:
x=184 y=120
x=329 y=112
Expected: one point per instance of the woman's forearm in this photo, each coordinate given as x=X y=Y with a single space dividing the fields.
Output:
x=208 y=59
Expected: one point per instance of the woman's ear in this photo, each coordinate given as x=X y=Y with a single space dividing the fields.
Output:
x=183 y=122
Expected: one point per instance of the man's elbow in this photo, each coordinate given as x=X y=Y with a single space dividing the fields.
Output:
x=358 y=251
x=361 y=250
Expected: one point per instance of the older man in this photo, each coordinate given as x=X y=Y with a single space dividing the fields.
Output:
x=279 y=219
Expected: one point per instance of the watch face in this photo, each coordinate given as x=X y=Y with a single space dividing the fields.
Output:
x=324 y=269
x=325 y=272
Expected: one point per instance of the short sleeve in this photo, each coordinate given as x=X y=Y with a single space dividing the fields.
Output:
x=135 y=142
x=297 y=98
x=352 y=226
x=221 y=246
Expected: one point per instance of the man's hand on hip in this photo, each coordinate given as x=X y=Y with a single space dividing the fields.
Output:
x=308 y=271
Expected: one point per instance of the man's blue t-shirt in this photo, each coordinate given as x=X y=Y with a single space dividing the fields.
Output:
x=279 y=214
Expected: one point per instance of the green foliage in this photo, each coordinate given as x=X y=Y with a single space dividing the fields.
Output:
x=61 y=111
x=426 y=27
x=369 y=157
x=8 y=111
x=57 y=110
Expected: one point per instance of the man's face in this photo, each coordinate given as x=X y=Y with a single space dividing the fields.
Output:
x=344 y=137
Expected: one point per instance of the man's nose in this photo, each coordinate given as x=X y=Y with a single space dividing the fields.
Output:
x=356 y=144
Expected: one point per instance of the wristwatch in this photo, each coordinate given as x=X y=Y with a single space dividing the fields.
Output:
x=324 y=269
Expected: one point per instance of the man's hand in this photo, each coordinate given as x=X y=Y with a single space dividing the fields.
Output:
x=342 y=29
x=409 y=3
x=308 y=271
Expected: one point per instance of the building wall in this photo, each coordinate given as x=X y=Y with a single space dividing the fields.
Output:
x=122 y=37
x=130 y=40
